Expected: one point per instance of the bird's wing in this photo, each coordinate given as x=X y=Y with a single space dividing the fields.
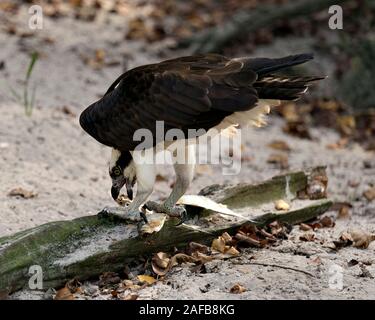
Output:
x=186 y=93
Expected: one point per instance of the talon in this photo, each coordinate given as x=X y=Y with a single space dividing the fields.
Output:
x=183 y=216
x=143 y=214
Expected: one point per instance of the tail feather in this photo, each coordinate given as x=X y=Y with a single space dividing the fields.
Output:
x=263 y=66
x=283 y=88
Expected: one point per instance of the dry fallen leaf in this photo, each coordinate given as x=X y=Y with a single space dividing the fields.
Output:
x=218 y=244
x=307 y=236
x=281 y=205
x=232 y=251
x=237 y=288
x=297 y=128
x=22 y=193
x=343 y=212
x=327 y=222
x=305 y=227
x=131 y=296
x=201 y=257
x=146 y=279
x=361 y=238
x=197 y=247
x=279 y=145
x=370 y=194
x=128 y=284
x=155 y=223
x=279 y=159
x=346 y=124
x=74 y=285
x=64 y=294
x=227 y=237
x=161 y=259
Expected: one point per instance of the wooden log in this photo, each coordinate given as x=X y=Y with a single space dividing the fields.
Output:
x=243 y=23
x=86 y=247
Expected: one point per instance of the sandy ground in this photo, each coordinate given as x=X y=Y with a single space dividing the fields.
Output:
x=50 y=155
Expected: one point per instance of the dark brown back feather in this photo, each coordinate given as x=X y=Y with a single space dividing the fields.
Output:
x=190 y=92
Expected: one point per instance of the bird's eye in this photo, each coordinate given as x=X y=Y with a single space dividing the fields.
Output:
x=117 y=171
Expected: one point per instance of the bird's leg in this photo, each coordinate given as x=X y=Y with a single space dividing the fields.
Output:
x=145 y=184
x=184 y=176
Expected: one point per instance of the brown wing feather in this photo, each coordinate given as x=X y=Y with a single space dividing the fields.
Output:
x=187 y=93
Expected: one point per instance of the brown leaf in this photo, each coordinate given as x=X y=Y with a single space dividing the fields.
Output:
x=327 y=222
x=131 y=296
x=343 y=212
x=197 y=247
x=20 y=192
x=160 y=263
x=227 y=238
x=345 y=240
x=73 y=285
x=218 y=244
x=161 y=259
x=346 y=125
x=289 y=112
x=279 y=145
x=370 y=194
x=307 y=236
x=361 y=238
x=64 y=294
x=232 y=251
x=305 y=227
x=297 y=128
x=146 y=279
x=128 y=284
x=201 y=257
x=180 y=258
x=279 y=159
x=279 y=230
x=237 y=289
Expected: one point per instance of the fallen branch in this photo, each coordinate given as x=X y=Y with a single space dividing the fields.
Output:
x=243 y=23
x=86 y=247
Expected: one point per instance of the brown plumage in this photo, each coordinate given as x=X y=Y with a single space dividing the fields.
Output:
x=187 y=93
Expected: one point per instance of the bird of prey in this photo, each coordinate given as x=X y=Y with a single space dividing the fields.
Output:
x=192 y=92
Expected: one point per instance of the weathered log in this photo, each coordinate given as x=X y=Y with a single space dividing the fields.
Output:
x=86 y=247
x=216 y=38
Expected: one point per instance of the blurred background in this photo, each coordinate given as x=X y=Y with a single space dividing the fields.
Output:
x=50 y=169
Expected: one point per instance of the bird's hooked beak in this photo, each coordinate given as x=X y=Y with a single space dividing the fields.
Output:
x=117 y=186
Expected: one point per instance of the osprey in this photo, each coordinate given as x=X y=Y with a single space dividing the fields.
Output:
x=193 y=92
